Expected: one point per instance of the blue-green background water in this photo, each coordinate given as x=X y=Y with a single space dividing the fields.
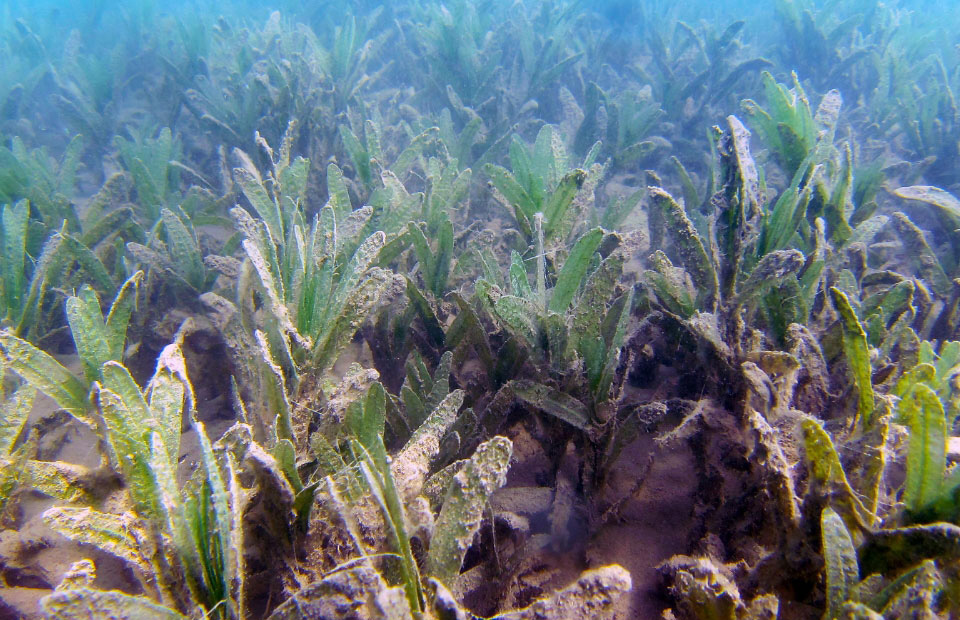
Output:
x=215 y=73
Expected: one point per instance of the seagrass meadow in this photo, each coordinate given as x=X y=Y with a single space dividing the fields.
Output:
x=494 y=309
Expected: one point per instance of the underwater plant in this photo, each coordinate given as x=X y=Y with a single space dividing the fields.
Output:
x=558 y=327
x=541 y=181
x=441 y=510
x=194 y=532
x=687 y=89
x=529 y=299
x=320 y=282
x=98 y=340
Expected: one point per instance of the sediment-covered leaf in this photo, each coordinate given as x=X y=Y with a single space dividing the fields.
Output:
x=931 y=195
x=260 y=200
x=917 y=248
x=858 y=355
x=184 y=250
x=354 y=589
x=412 y=465
x=840 y=562
x=90 y=604
x=13 y=249
x=826 y=470
x=64 y=481
x=926 y=447
x=168 y=394
x=462 y=511
x=672 y=285
x=127 y=424
x=119 y=316
x=695 y=258
x=47 y=375
x=552 y=401
x=592 y=595
x=89 y=331
x=14 y=411
x=119 y=535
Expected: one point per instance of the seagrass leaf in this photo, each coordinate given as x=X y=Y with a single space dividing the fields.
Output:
x=119 y=535
x=126 y=425
x=89 y=263
x=89 y=331
x=106 y=228
x=235 y=564
x=354 y=271
x=423 y=251
x=462 y=510
x=840 y=562
x=274 y=293
x=119 y=315
x=286 y=455
x=381 y=486
x=688 y=243
x=919 y=250
x=184 y=250
x=858 y=355
x=261 y=202
x=12 y=470
x=931 y=195
x=47 y=375
x=414 y=411
x=339 y=199
x=746 y=167
x=926 y=446
x=555 y=207
x=914 y=594
x=220 y=529
x=167 y=392
x=411 y=466
x=358 y=154
x=441 y=382
x=408 y=158
x=293 y=182
x=275 y=390
x=14 y=411
x=172 y=516
x=614 y=334
x=574 y=269
x=60 y=480
x=366 y=418
x=591 y=307
x=90 y=604
x=147 y=191
x=13 y=247
x=515 y=195
x=552 y=401
x=53 y=256
x=518 y=315
x=444 y=257
x=672 y=285
x=784 y=219
x=826 y=470
x=353 y=311
x=771 y=269
x=519 y=283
